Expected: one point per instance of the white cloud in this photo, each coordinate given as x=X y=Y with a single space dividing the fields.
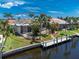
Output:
x=11 y=4
x=34 y=11
x=32 y=8
x=56 y=12
x=19 y=15
x=19 y=3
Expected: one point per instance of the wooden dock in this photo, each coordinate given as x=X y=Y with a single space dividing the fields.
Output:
x=55 y=41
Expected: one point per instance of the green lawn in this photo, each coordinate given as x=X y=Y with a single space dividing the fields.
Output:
x=15 y=42
x=18 y=41
x=46 y=37
x=67 y=32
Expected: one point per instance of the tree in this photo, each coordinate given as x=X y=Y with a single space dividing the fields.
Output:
x=40 y=21
x=1 y=25
x=6 y=33
x=8 y=15
x=54 y=26
x=6 y=28
x=31 y=14
x=44 y=21
x=60 y=17
x=35 y=29
x=48 y=26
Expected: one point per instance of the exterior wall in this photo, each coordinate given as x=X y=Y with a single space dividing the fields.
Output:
x=63 y=26
x=22 y=29
x=17 y=29
x=28 y=29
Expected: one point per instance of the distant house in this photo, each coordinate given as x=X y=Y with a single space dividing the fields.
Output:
x=62 y=23
x=22 y=26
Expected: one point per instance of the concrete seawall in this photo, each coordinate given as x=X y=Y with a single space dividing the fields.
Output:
x=17 y=50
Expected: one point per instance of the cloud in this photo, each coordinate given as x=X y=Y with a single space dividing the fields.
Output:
x=32 y=8
x=20 y=15
x=11 y=4
x=56 y=12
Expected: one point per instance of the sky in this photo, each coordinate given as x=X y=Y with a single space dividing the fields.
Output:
x=54 y=8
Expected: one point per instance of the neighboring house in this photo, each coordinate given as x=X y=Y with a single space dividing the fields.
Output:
x=22 y=26
x=62 y=23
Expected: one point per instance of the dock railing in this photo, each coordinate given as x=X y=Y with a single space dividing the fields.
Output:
x=55 y=41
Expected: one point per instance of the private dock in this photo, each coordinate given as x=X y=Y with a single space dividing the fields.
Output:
x=55 y=41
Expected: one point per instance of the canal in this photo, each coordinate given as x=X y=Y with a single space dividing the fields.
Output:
x=68 y=50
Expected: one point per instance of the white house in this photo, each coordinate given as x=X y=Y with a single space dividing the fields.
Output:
x=22 y=28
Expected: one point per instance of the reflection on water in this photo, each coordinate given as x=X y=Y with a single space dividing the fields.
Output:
x=69 y=50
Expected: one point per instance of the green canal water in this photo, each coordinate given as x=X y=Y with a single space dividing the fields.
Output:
x=68 y=50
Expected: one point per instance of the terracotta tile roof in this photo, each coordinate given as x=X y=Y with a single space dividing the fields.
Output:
x=59 y=21
x=11 y=22
x=24 y=21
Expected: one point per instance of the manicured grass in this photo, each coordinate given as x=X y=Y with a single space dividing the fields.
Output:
x=67 y=32
x=46 y=37
x=61 y=33
x=15 y=42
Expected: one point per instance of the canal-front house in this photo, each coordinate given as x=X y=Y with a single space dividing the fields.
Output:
x=62 y=23
x=22 y=26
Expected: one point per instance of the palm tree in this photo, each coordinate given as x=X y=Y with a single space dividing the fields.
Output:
x=6 y=33
x=1 y=25
x=54 y=26
x=35 y=26
x=48 y=25
x=31 y=15
x=43 y=20
x=6 y=29
x=8 y=15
